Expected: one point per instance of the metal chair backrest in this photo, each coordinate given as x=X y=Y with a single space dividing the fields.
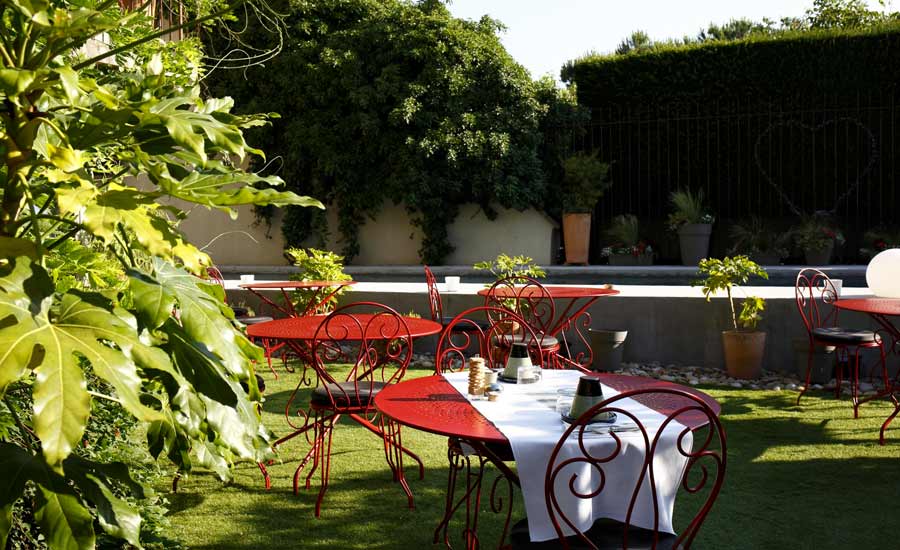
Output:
x=703 y=475
x=434 y=297
x=373 y=338
x=459 y=338
x=526 y=297
x=814 y=292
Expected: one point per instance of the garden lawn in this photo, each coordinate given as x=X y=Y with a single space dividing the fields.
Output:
x=798 y=477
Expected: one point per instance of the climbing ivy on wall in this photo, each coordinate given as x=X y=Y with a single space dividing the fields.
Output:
x=394 y=101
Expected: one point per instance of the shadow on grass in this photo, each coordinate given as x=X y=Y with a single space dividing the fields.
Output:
x=807 y=476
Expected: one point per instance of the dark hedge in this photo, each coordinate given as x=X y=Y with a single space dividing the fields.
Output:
x=810 y=63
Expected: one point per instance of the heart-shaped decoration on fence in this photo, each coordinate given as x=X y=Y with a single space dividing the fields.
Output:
x=848 y=165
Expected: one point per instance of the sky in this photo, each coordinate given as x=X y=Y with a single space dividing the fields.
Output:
x=544 y=34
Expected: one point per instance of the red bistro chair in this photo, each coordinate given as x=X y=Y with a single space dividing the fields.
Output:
x=814 y=291
x=703 y=476
x=375 y=340
x=528 y=298
x=436 y=304
x=463 y=337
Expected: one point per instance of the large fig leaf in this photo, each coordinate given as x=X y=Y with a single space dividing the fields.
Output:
x=103 y=213
x=80 y=325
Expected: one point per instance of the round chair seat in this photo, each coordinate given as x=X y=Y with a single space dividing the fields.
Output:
x=255 y=320
x=605 y=533
x=546 y=341
x=346 y=394
x=844 y=336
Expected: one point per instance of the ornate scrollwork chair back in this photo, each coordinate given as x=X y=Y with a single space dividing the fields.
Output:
x=378 y=348
x=705 y=455
x=465 y=336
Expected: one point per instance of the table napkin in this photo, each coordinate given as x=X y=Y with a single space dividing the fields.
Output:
x=526 y=415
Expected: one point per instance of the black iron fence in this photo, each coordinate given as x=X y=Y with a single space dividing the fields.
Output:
x=772 y=159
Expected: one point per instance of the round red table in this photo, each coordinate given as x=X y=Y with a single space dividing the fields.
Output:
x=881 y=310
x=433 y=405
x=322 y=292
x=568 y=318
x=304 y=328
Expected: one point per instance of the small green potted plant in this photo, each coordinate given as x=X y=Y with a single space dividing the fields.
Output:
x=817 y=238
x=504 y=266
x=585 y=180
x=316 y=265
x=744 y=346
x=692 y=220
x=627 y=247
x=756 y=238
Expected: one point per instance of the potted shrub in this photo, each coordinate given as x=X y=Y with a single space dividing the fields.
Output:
x=585 y=180
x=756 y=239
x=816 y=237
x=316 y=265
x=744 y=345
x=878 y=240
x=627 y=247
x=693 y=222
x=504 y=266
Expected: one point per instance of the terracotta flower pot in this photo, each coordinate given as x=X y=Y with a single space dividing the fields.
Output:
x=744 y=352
x=577 y=235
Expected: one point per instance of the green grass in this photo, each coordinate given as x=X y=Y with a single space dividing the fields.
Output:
x=797 y=477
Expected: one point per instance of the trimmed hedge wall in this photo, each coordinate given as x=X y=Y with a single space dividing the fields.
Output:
x=810 y=63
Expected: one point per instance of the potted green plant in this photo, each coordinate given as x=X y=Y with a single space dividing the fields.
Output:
x=756 y=239
x=692 y=221
x=585 y=180
x=316 y=265
x=878 y=240
x=817 y=237
x=627 y=247
x=744 y=345
x=504 y=266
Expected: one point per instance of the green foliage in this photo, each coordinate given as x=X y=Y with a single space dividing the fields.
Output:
x=844 y=14
x=394 y=101
x=688 y=208
x=750 y=316
x=73 y=139
x=726 y=274
x=636 y=42
x=815 y=232
x=624 y=230
x=765 y=67
x=878 y=240
x=586 y=179
x=756 y=236
x=504 y=266
x=316 y=265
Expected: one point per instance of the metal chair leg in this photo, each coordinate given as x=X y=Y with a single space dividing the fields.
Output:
x=809 y=364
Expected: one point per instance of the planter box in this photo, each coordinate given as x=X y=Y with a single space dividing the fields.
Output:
x=607 y=347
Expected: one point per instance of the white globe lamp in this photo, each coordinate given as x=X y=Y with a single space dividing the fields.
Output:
x=883 y=274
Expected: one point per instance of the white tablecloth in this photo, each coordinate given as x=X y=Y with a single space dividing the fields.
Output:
x=527 y=416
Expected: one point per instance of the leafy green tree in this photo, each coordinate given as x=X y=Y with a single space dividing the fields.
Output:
x=387 y=100
x=88 y=158
x=637 y=41
x=735 y=29
x=842 y=14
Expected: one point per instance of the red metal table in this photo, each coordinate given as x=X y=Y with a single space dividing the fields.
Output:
x=433 y=405
x=298 y=332
x=882 y=310
x=322 y=292
x=574 y=316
